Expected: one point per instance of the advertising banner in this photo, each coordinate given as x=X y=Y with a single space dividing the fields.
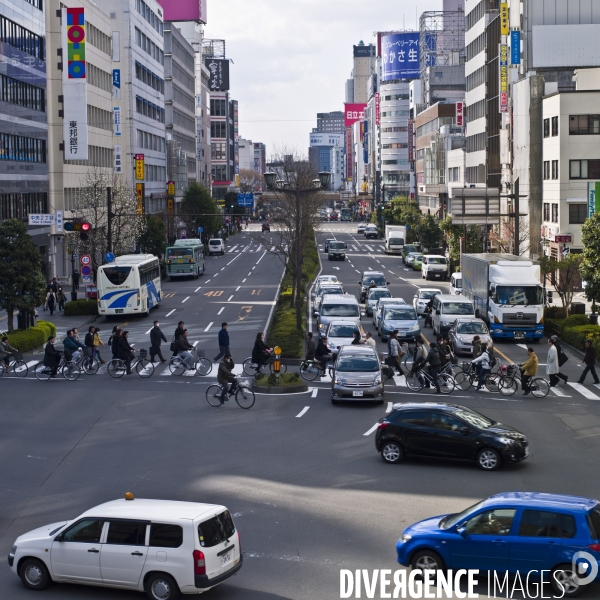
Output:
x=118 y=154
x=139 y=195
x=139 y=166
x=327 y=139
x=353 y=113
x=400 y=53
x=170 y=188
x=219 y=74
x=185 y=10
x=377 y=109
x=515 y=47
x=117 y=84
x=503 y=62
x=59 y=222
x=75 y=126
x=459 y=113
x=411 y=147
x=117 y=121
x=504 y=24
x=349 y=154
x=593 y=198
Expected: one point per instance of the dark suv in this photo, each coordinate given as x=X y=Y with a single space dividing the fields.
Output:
x=448 y=431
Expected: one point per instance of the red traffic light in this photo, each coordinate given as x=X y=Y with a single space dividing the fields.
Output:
x=85 y=226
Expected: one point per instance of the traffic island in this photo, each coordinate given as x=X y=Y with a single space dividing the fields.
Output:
x=290 y=383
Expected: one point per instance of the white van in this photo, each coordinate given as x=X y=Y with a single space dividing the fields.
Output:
x=161 y=547
x=446 y=309
x=434 y=267
x=456 y=284
x=216 y=246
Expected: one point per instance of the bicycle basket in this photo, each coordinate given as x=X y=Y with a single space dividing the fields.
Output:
x=18 y=355
x=143 y=353
x=466 y=367
x=200 y=353
x=243 y=383
x=87 y=351
x=512 y=369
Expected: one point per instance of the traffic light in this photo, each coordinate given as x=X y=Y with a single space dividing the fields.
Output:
x=80 y=226
x=85 y=229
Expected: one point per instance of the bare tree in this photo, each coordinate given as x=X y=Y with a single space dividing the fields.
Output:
x=250 y=181
x=504 y=235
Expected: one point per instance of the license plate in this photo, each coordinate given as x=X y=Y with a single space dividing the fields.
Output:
x=225 y=558
x=401 y=334
x=519 y=335
x=180 y=260
x=357 y=394
x=118 y=310
x=436 y=274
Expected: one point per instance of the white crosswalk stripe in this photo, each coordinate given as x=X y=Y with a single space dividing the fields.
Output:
x=584 y=391
x=558 y=392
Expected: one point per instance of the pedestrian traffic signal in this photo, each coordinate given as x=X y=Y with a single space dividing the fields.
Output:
x=85 y=229
x=80 y=226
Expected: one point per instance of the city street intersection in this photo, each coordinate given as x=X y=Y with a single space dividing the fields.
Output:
x=301 y=477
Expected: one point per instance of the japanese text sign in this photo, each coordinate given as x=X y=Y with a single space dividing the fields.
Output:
x=400 y=52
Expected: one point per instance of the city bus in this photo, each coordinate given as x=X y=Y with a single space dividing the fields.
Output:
x=185 y=259
x=129 y=286
x=346 y=214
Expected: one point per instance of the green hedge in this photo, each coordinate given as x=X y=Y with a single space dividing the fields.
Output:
x=554 y=312
x=284 y=380
x=32 y=338
x=81 y=307
x=576 y=336
x=553 y=326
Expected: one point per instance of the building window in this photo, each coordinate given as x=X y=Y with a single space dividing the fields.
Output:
x=149 y=78
x=218 y=151
x=554 y=126
x=20 y=38
x=218 y=107
x=546 y=128
x=148 y=109
x=23 y=149
x=218 y=129
x=577 y=213
x=555 y=213
x=546 y=211
x=19 y=205
x=554 y=169
x=149 y=47
x=21 y=94
x=546 y=169
x=219 y=173
x=149 y=15
x=584 y=169
x=584 y=124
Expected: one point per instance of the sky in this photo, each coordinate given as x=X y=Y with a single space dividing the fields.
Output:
x=291 y=58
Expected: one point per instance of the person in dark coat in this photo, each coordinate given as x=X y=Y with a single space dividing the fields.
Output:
x=589 y=360
x=156 y=338
x=260 y=352
x=51 y=357
x=89 y=340
x=311 y=346
x=76 y=279
x=71 y=345
x=51 y=301
x=223 y=342
x=178 y=333
x=113 y=340
x=125 y=351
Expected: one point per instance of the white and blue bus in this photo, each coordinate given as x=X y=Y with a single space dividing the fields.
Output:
x=130 y=285
x=185 y=259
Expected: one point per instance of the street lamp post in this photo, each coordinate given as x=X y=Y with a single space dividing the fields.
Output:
x=283 y=186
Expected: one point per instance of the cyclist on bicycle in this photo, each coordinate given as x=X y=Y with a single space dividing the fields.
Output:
x=529 y=370
x=428 y=313
x=485 y=359
x=435 y=364
x=260 y=352
x=322 y=353
x=184 y=349
x=71 y=344
x=6 y=351
x=225 y=376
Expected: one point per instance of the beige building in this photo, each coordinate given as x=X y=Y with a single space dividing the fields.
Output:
x=364 y=59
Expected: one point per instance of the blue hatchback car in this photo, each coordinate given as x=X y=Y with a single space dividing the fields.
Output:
x=511 y=532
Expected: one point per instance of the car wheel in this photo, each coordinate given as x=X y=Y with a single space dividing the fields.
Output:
x=392 y=452
x=161 y=586
x=564 y=581
x=427 y=559
x=334 y=401
x=34 y=574
x=488 y=459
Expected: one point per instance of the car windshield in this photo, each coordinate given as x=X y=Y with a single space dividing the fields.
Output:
x=474 y=418
x=353 y=364
x=378 y=279
x=400 y=314
x=330 y=290
x=519 y=294
x=458 y=283
x=427 y=295
x=396 y=241
x=340 y=310
x=376 y=294
x=436 y=260
x=116 y=275
x=174 y=252
x=474 y=327
x=215 y=242
x=342 y=331
x=327 y=278
x=418 y=257
x=452 y=520
x=457 y=308
x=337 y=245
x=413 y=248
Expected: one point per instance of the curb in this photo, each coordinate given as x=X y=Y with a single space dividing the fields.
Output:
x=287 y=389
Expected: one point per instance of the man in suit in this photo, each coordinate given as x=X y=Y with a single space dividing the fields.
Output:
x=156 y=338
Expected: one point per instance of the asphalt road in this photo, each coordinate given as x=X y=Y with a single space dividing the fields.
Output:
x=308 y=492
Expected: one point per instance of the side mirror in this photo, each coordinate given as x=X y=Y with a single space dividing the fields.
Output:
x=461 y=531
x=60 y=537
x=387 y=283
x=360 y=283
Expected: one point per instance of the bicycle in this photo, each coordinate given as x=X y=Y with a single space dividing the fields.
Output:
x=143 y=367
x=244 y=396
x=17 y=364
x=417 y=380
x=88 y=364
x=67 y=368
x=467 y=377
x=311 y=369
x=202 y=365
x=253 y=369
x=509 y=383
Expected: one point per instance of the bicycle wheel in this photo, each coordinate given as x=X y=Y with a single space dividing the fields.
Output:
x=539 y=387
x=245 y=397
x=116 y=368
x=508 y=385
x=1 y=369
x=387 y=372
x=213 y=395
x=177 y=366
x=144 y=368
x=463 y=381
x=492 y=382
x=71 y=371
x=20 y=368
x=408 y=361
x=446 y=382
x=203 y=367
x=282 y=367
x=90 y=365
x=415 y=382
x=309 y=371
x=42 y=372
x=248 y=368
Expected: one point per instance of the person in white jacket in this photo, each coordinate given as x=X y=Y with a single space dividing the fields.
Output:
x=552 y=366
x=484 y=358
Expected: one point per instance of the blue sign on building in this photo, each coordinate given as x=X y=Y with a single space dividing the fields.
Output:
x=117 y=78
x=515 y=47
x=246 y=200
x=401 y=55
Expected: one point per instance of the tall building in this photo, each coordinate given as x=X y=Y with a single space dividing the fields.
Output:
x=326 y=153
x=24 y=129
x=260 y=158
x=246 y=154
x=364 y=60
x=331 y=122
x=223 y=143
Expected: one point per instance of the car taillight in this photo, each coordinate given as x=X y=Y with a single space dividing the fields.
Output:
x=199 y=563
x=594 y=547
x=239 y=542
x=382 y=425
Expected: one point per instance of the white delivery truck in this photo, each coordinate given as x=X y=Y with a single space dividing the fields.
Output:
x=395 y=236
x=507 y=293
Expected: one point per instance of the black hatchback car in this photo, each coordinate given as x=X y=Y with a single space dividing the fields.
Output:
x=448 y=431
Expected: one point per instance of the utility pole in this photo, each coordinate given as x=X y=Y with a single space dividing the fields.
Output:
x=516 y=245
x=109 y=219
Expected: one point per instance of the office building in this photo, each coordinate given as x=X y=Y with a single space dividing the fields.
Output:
x=260 y=159
x=364 y=60
x=246 y=154
x=331 y=122
x=223 y=144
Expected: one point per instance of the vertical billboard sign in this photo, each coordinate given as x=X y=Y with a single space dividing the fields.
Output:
x=75 y=126
x=218 y=80
x=139 y=166
x=503 y=61
x=117 y=121
x=139 y=198
x=515 y=47
x=504 y=18
x=411 y=149
x=117 y=84
x=118 y=153
x=459 y=113
x=400 y=52
x=236 y=141
x=349 y=154
x=593 y=198
x=353 y=113
x=377 y=109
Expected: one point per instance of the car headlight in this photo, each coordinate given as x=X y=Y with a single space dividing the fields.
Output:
x=415 y=327
x=321 y=326
x=377 y=380
x=405 y=537
x=460 y=338
x=445 y=323
x=13 y=551
x=506 y=441
x=338 y=381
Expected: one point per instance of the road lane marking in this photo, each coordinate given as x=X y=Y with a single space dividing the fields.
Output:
x=559 y=392
x=230 y=297
x=273 y=249
x=208 y=281
x=168 y=315
x=195 y=343
x=522 y=346
x=237 y=289
x=302 y=412
x=584 y=391
x=261 y=257
x=223 y=269
x=185 y=300
x=249 y=273
x=149 y=330
x=209 y=326
x=233 y=260
x=371 y=430
x=315 y=392
x=389 y=407
x=357 y=270
x=196 y=290
x=244 y=280
x=220 y=311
